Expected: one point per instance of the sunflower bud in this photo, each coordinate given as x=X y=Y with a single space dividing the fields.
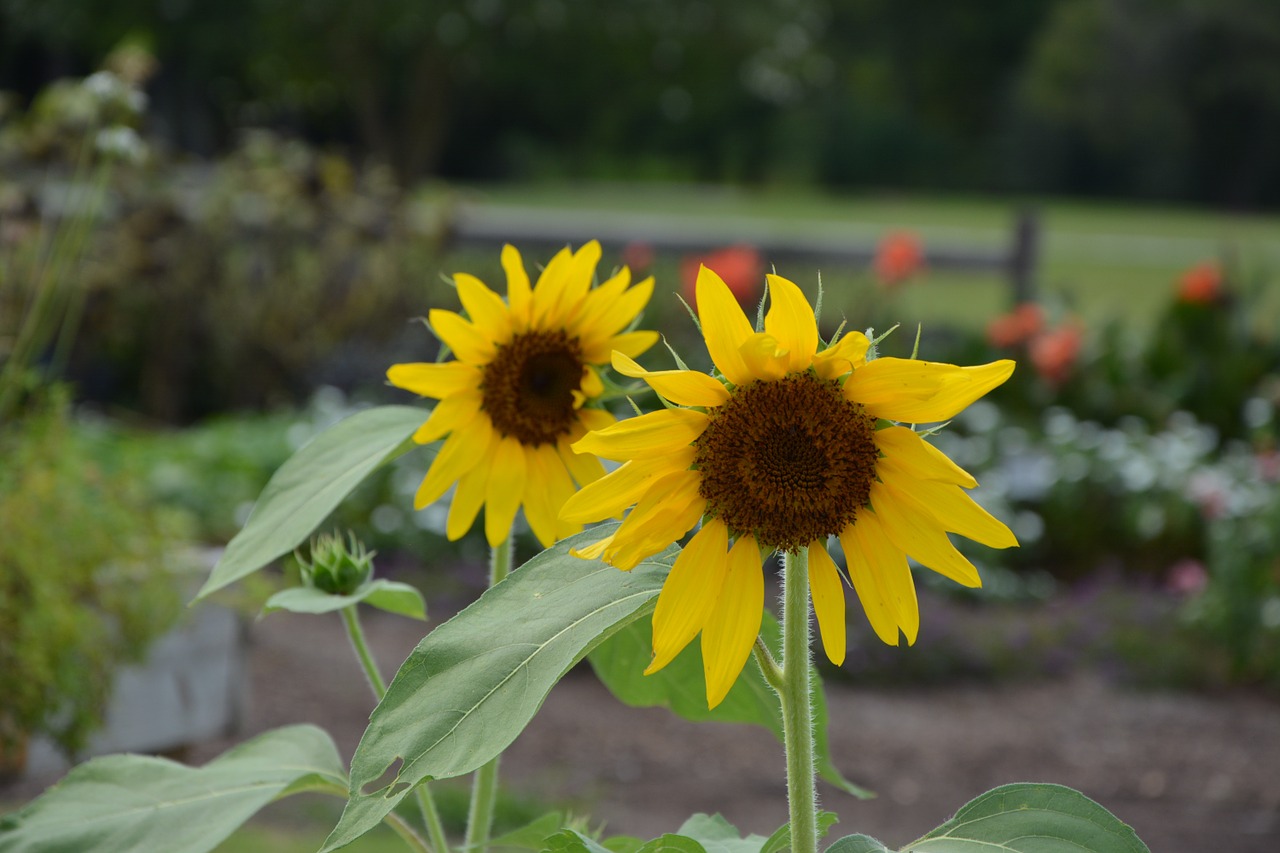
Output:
x=335 y=567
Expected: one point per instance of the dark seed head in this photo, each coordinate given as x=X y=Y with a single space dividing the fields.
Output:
x=527 y=388
x=787 y=461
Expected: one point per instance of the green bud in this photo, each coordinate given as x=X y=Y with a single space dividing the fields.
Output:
x=335 y=567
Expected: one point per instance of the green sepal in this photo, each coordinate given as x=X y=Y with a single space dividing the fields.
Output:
x=391 y=596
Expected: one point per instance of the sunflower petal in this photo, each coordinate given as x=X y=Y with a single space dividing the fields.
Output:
x=551 y=285
x=434 y=380
x=448 y=415
x=734 y=623
x=913 y=528
x=485 y=308
x=621 y=487
x=880 y=575
x=519 y=294
x=919 y=458
x=506 y=488
x=466 y=339
x=828 y=601
x=653 y=434
x=954 y=510
x=596 y=328
x=666 y=511
x=848 y=353
x=683 y=387
x=462 y=450
x=689 y=593
x=724 y=326
x=467 y=500
x=764 y=356
x=791 y=322
x=921 y=391
x=584 y=467
x=631 y=343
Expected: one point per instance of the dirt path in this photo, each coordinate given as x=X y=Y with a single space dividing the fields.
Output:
x=1190 y=773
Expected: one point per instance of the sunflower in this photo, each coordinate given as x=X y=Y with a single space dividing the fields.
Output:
x=517 y=394
x=787 y=446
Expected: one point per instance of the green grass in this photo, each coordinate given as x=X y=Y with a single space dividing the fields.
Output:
x=1098 y=260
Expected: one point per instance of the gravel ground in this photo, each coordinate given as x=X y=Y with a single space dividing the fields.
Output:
x=1189 y=772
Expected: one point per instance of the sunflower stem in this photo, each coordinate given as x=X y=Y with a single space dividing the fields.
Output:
x=426 y=804
x=797 y=704
x=484 y=787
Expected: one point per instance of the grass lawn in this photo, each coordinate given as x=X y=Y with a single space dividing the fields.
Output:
x=1098 y=260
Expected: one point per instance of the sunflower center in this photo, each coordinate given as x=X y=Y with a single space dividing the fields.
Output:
x=788 y=461
x=528 y=386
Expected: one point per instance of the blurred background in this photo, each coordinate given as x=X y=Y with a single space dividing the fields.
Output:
x=218 y=223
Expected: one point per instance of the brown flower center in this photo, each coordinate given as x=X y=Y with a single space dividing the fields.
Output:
x=788 y=461
x=528 y=386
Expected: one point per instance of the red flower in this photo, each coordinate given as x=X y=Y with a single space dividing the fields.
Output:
x=899 y=256
x=1017 y=327
x=1054 y=353
x=638 y=256
x=741 y=267
x=1201 y=284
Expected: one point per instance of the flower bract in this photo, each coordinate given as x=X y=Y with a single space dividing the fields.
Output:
x=520 y=388
x=789 y=444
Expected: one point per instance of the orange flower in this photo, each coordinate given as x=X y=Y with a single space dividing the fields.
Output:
x=1054 y=353
x=899 y=256
x=1201 y=284
x=741 y=267
x=1017 y=327
x=638 y=256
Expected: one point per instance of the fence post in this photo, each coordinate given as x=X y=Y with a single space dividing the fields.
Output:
x=1025 y=254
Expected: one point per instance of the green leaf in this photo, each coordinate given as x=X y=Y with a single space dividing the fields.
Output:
x=391 y=596
x=473 y=684
x=680 y=686
x=572 y=841
x=780 y=841
x=859 y=844
x=532 y=835
x=1031 y=818
x=672 y=843
x=136 y=802
x=309 y=485
x=717 y=835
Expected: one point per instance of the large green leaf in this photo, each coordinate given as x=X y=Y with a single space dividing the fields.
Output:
x=309 y=485
x=620 y=663
x=859 y=844
x=473 y=684
x=1031 y=818
x=135 y=802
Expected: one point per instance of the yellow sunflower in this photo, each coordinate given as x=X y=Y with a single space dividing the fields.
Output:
x=793 y=445
x=517 y=395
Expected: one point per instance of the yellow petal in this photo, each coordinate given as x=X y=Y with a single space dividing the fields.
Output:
x=912 y=528
x=620 y=488
x=733 y=625
x=584 y=467
x=591 y=386
x=466 y=340
x=880 y=575
x=519 y=294
x=689 y=593
x=644 y=437
x=594 y=419
x=724 y=326
x=448 y=415
x=683 y=387
x=828 y=601
x=935 y=392
x=506 y=488
x=598 y=323
x=464 y=449
x=484 y=307
x=919 y=458
x=551 y=286
x=763 y=356
x=629 y=343
x=547 y=486
x=577 y=283
x=600 y=302
x=593 y=551
x=954 y=510
x=435 y=380
x=790 y=320
x=666 y=511
x=846 y=354
x=467 y=500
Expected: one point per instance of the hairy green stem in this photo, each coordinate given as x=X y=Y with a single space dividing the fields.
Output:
x=426 y=803
x=484 y=787
x=797 y=704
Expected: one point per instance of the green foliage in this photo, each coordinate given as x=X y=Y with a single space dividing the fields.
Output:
x=473 y=684
x=310 y=485
x=391 y=596
x=85 y=577
x=135 y=802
